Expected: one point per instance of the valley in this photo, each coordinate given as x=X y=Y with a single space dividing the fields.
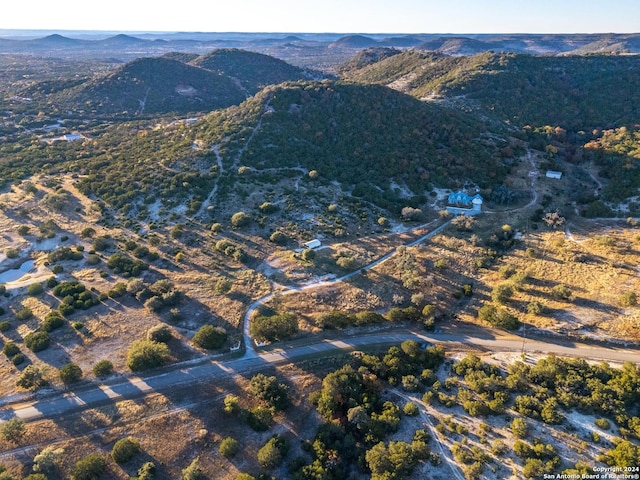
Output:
x=155 y=220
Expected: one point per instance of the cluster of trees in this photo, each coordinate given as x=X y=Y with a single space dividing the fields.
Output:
x=124 y=265
x=232 y=250
x=336 y=319
x=275 y=327
x=357 y=418
x=155 y=296
x=74 y=296
x=271 y=397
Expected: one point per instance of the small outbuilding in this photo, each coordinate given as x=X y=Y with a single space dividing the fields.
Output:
x=313 y=244
x=554 y=174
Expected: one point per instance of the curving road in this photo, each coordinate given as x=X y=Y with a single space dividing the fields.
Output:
x=185 y=376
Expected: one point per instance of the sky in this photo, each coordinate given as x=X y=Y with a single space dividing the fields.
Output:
x=328 y=16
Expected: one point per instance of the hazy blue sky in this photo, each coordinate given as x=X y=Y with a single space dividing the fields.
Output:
x=367 y=16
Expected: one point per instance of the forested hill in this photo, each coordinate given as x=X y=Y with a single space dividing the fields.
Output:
x=573 y=92
x=176 y=83
x=151 y=86
x=253 y=70
x=360 y=134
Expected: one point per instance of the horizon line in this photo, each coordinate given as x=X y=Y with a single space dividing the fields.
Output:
x=231 y=32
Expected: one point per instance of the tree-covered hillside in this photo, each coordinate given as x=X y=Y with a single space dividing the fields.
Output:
x=152 y=86
x=368 y=138
x=573 y=92
x=359 y=134
x=253 y=70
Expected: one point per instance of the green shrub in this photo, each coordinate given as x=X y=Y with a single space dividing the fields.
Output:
x=70 y=373
x=30 y=378
x=270 y=391
x=502 y=293
x=159 y=333
x=147 y=471
x=118 y=290
x=37 y=341
x=520 y=427
x=24 y=314
x=628 y=299
x=124 y=450
x=18 y=359
x=4 y=326
x=87 y=232
x=48 y=460
x=240 y=219
x=259 y=418
x=144 y=355
x=228 y=447
x=13 y=429
x=125 y=266
x=101 y=244
x=278 y=238
x=561 y=292
x=536 y=308
x=231 y=404
x=10 y=349
x=507 y=271
x=273 y=452
x=308 y=255
x=368 y=318
x=335 y=319
x=193 y=471
x=209 y=337
x=102 y=368
x=93 y=259
x=498 y=317
x=52 y=321
x=275 y=327
x=89 y=467
x=35 y=289
x=410 y=409
x=64 y=253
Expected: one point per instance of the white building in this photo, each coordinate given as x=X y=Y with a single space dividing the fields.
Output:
x=313 y=244
x=554 y=174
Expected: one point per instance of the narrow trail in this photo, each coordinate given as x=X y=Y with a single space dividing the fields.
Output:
x=236 y=163
x=256 y=129
x=212 y=194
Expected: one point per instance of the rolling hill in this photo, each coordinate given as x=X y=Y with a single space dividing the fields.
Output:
x=176 y=83
x=151 y=86
x=574 y=92
x=253 y=70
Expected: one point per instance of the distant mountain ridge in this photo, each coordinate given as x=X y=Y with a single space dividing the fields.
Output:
x=279 y=45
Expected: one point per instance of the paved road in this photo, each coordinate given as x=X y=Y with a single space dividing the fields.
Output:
x=135 y=387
